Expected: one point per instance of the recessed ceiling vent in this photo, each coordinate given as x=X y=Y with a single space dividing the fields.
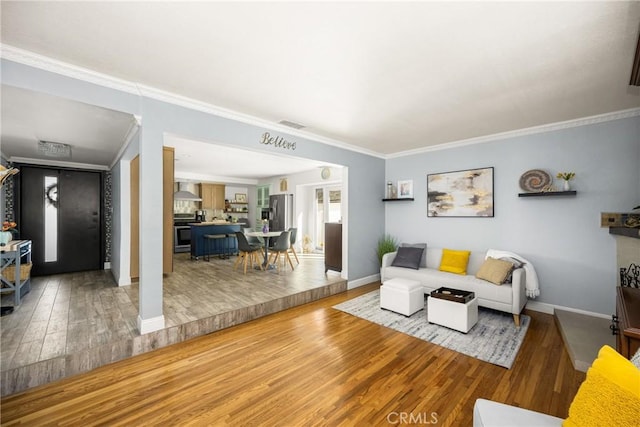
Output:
x=292 y=124
x=54 y=149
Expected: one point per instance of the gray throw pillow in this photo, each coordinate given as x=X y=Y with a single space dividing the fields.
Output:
x=423 y=262
x=516 y=264
x=408 y=258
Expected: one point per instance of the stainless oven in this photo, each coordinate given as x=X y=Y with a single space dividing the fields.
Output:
x=181 y=238
x=182 y=231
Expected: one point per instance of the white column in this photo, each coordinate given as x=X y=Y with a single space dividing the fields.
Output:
x=150 y=317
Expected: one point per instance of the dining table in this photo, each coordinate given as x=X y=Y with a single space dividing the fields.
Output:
x=267 y=237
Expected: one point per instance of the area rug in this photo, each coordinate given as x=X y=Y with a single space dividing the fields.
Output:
x=494 y=339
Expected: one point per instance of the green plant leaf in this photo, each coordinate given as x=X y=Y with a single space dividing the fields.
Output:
x=386 y=244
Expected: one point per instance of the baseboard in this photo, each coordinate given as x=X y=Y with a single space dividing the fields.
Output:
x=544 y=307
x=363 y=281
x=150 y=325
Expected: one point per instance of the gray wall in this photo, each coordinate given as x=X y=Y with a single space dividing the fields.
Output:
x=574 y=257
x=366 y=173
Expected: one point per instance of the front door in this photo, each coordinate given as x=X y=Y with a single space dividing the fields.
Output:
x=60 y=211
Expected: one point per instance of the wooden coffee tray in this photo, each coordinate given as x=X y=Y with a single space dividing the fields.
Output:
x=454 y=295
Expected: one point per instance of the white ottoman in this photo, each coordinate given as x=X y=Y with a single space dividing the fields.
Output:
x=402 y=296
x=454 y=315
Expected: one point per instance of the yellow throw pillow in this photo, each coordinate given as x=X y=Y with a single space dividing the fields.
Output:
x=454 y=261
x=494 y=270
x=609 y=395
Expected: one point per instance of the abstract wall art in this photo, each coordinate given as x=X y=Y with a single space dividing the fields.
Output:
x=466 y=193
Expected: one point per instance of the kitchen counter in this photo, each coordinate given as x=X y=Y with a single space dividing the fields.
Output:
x=218 y=246
x=207 y=223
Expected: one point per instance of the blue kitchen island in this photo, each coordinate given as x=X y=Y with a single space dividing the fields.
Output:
x=201 y=247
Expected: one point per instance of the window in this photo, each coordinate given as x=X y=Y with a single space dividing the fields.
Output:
x=328 y=208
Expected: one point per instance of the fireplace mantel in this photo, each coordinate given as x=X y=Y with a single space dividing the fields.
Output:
x=625 y=231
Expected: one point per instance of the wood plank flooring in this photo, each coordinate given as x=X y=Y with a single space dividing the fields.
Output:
x=71 y=323
x=309 y=365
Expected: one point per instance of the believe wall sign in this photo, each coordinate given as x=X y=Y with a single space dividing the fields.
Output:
x=277 y=141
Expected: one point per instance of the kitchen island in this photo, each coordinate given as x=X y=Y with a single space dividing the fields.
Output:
x=218 y=246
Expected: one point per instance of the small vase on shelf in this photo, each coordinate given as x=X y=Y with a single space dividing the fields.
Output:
x=5 y=237
x=566 y=186
x=265 y=228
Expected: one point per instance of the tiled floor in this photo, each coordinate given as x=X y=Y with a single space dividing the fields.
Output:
x=71 y=323
x=583 y=336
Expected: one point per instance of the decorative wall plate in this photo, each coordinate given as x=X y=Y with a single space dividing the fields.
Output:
x=535 y=180
x=325 y=173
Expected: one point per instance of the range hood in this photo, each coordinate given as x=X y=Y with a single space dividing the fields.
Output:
x=184 y=194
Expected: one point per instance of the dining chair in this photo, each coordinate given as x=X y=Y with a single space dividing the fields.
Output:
x=294 y=233
x=281 y=247
x=246 y=252
x=254 y=240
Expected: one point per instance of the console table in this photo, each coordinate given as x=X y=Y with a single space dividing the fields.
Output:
x=332 y=246
x=16 y=253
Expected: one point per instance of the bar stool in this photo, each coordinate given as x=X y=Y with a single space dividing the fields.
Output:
x=231 y=237
x=209 y=239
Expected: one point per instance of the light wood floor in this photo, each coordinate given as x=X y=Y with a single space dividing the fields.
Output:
x=309 y=365
x=71 y=323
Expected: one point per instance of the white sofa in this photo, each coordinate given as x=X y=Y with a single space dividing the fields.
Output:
x=487 y=413
x=508 y=297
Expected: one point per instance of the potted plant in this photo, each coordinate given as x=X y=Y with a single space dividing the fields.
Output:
x=566 y=177
x=386 y=244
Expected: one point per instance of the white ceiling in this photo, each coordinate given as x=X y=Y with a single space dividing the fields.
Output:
x=95 y=134
x=384 y=76
x=201 y=161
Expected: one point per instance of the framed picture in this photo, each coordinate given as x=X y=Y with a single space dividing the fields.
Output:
x=241 y=197
x=466 y=193
x=405 y=189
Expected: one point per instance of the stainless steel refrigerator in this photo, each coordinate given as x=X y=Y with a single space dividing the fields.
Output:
x=281 y=212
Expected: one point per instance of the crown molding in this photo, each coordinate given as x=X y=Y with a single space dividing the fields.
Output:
x=52 y=65
x=136 y=122
x=59 y=163
x=204 y=107
x=600 y=118
x=46 y=63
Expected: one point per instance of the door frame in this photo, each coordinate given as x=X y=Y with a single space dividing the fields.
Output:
x=17 y=206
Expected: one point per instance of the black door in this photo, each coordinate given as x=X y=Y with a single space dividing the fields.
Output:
x=60 y=211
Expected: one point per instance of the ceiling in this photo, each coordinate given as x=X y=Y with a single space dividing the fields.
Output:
x=386 y=77
x=95 y=134
x=201 y=161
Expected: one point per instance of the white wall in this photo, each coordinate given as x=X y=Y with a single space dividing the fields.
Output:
x=561 y=236
x=121 y=204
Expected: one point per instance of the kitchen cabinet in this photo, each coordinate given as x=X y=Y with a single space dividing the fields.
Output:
x=332 y=246
x=167 y=213
x=168 y=161
x=200 y=247
x=212 y=196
